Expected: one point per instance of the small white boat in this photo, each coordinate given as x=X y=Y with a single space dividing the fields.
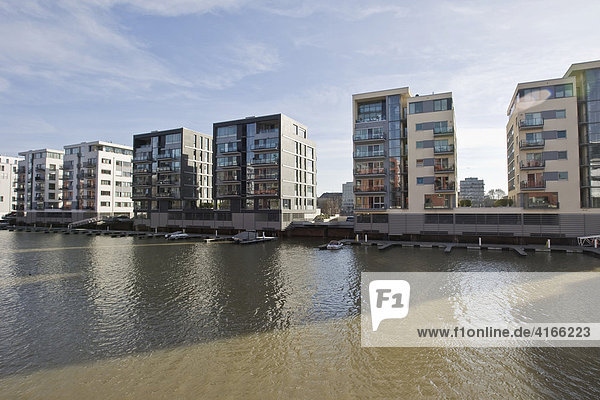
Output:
x=334 y=245
x=177 y=236
x=168 y=235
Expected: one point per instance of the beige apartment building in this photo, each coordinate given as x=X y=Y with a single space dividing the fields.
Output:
x=404 y=151
x=553 y=141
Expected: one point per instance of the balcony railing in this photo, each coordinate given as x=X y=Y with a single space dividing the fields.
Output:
x=369 y=136
x=40 y=178
x=532 y=143
x=142 y=158
x=372 y=188
x=257 y=177
x=440 y=169
x=90 y=164
x=167 y=194
x=445 y=187
x=258 y=161
x=531 y=123
x=370 y=119
x=533 y=164
x=264 y=131
x=263 y=192
x=167 y=169
x=365 y=154
x=440 y=149
x=265 y=146
x=165 y=155
x=535 y=184
x=40 y=169
x=369 y=171
x=167 y=182
x=141 y=170
x=443 y=130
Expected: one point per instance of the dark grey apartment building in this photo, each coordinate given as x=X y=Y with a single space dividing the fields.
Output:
x=264 y=172
x=472 y=189
x=172 y=173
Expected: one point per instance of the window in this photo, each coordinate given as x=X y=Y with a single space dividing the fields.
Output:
x=105 y=192
x=563 y=175
x=105 y=203
x=106 y=171
x=561 y=134
x=371 y=112
x=104 y=182
x=440 y=105
x=173 y=138
x=106 y=161
x=420 y=127
x=420 y=144
x=415 y=108
x=563 y=90
x=420 y=181
x=561 y=114
x=420 y=162
x=287 y=204
x=562 y=155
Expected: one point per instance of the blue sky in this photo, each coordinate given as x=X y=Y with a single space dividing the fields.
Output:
x=77 y=70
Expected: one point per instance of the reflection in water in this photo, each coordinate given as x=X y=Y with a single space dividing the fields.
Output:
x=265 y=321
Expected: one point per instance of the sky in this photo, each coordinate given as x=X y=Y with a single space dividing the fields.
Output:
x=74 y=70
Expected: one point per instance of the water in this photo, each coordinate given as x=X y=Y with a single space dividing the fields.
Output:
x=99 y=317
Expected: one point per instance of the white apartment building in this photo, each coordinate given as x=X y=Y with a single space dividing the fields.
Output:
x=8 y=184
x=40 y=180
x=97 y=179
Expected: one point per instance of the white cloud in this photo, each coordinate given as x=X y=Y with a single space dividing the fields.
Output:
x=4 y=84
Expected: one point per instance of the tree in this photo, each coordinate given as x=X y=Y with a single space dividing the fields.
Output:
x=465 y=203
x=496 y=194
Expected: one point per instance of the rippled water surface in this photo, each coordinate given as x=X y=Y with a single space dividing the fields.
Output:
x=99 y=317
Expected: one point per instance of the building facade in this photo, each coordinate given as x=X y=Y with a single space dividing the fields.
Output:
x=587 y=83
x=97 y=179
x=172 y=173
x=404 y=151
x=472 y=189
x=348 y=198
x=8 y=184
x=40 y=180
x=543 y=146
x=264 y=173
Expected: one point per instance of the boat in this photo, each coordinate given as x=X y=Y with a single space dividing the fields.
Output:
x=177 y=236
x=168 y=235
x=334 y=245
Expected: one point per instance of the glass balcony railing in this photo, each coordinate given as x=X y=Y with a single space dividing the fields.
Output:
x=443 y=130
x=531 y=123
x=369 y=171
x=264 y=146
x=531 y=143
x=258 y=161
x=369 y=188
x=533 y=164
x=444 y=186
x=372 y=153
x=443 y=168
x=439 y=149
x=533 y=184
x=369 y=136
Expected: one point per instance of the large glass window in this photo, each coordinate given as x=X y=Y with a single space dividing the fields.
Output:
x=415 y=108
x=442 y=105
x=373 y=111
x=227 y=131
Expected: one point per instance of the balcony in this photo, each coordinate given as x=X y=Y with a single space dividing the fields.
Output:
x=167 y=169
x=167 y=182
x=264 y=161
x=167 y=194
x=68 y=166
x=39 y=188
x=531 y=123
x=378 y=136
x=444 y=149
x=369 y=189
x=369 y=171
x=142 y=158
x=142 y=171
x=443 y=169
x=265 y=192
x=370 y=118
x=265 y=146
x=40 y=178
x=533 y=184
x=443 y=131
x=533 y=164
x=90 y=164
x=369 y=154
x=532 y=144
x=265 y=131
x=141 y=193
x=166 y=155
x=40 y=169
x=263 y=177
x=229 y=150
x=441 y=187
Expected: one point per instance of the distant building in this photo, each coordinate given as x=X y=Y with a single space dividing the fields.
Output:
x=97 y=179
x=472 y=189
x=8 y=184
x=40 y=180
x=348 y=197
x=172 y=173
x=265 y=173
x=330 y=203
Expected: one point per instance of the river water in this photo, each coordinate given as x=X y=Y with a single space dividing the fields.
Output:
x=99 y=317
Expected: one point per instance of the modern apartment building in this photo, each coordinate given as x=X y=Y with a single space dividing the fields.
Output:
x=97 y=179
x=347 y=197
x=8 y=184
x=404 y=151
x=40 y=180
x=472 y=189
x=172 y=173
x=543 y=146
x=264 y=172
x=587 y=83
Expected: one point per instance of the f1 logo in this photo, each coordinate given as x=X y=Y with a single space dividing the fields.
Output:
x=388 y=300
